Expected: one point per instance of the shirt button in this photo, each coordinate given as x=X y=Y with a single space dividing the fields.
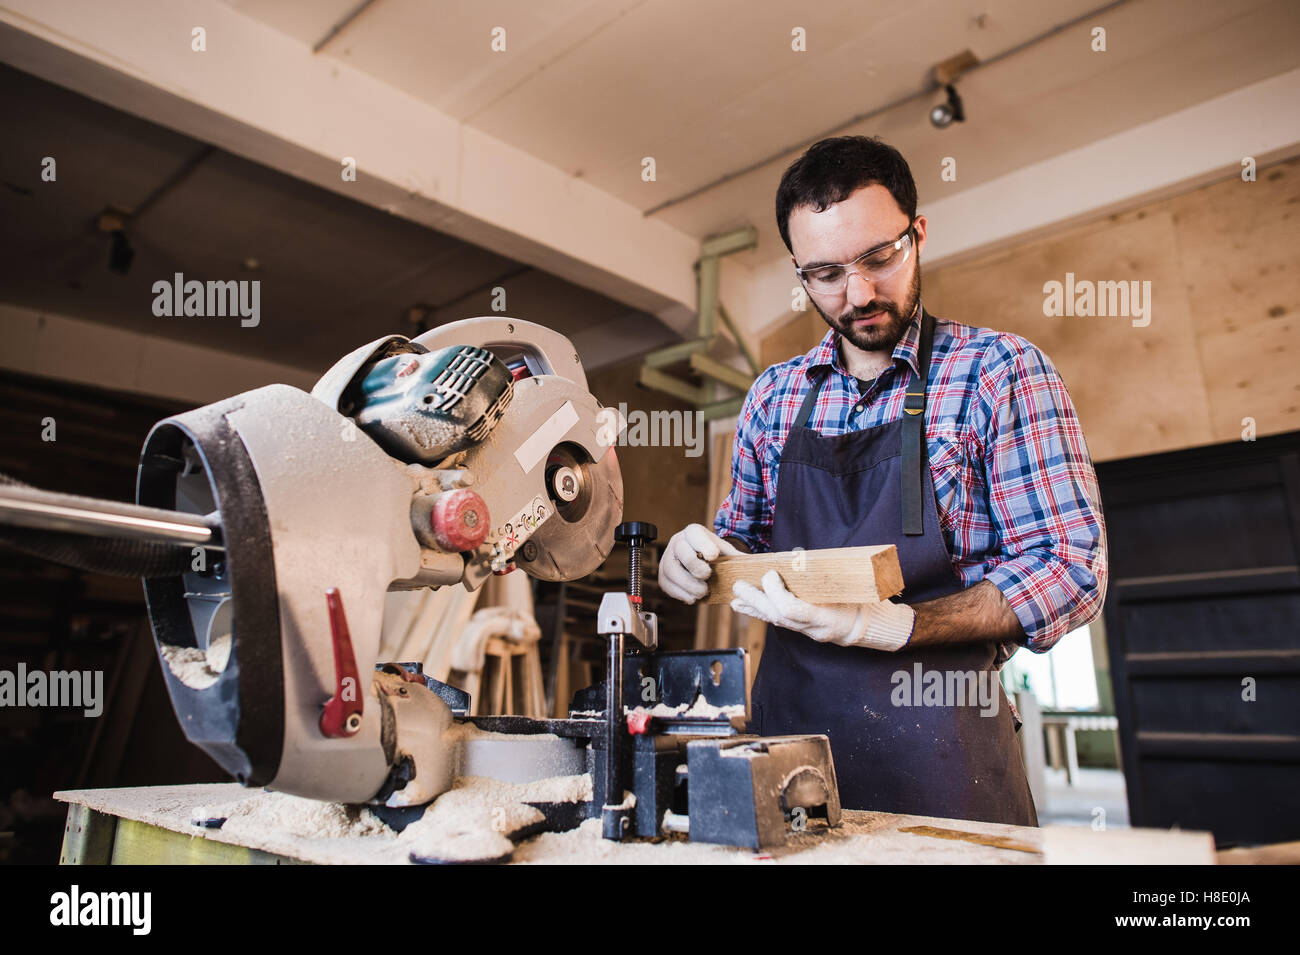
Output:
x=858 y=407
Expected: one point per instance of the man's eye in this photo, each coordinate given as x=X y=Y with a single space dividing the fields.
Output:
x=828 y=275
x=880 y=258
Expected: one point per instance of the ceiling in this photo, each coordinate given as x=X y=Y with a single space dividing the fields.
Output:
x=334 y=273
x=710 y=89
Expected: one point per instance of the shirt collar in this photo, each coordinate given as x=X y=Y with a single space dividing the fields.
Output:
x=827 y=351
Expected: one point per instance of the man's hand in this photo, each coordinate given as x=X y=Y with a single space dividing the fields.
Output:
x=687 y=562
x=878 y=625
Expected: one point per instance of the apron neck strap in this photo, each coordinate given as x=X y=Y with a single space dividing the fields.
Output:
x=914 y=459
x=914 y=456
x=805 y=409
x=914 y=404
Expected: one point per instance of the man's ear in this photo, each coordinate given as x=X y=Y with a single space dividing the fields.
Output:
x=920 y=235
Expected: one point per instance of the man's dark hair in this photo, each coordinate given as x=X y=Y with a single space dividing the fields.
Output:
x=833 y=169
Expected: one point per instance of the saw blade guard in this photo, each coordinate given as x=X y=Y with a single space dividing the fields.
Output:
x=548 y=470
x=249 y=645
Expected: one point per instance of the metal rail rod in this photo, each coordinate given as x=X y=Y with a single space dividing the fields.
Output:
x=48 y=510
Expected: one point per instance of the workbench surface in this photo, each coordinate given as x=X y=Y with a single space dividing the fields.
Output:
x=152 y=825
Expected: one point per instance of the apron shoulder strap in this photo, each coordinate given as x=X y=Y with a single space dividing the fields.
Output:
x=914 y=456
x=805 y=409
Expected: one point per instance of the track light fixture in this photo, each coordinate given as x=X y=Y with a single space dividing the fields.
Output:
x=945 y=114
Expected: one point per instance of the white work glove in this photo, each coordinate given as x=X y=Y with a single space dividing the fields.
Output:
x=686 y=563
x=879 y=625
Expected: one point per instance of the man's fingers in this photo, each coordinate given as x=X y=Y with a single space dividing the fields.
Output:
x=685 y=556
x=740 y=606
x=786 y=603
x=703 y=540
x=679 y=578
x=681 y=583
x=694 y=549
x=775 y=589
x=706 y=544
x=758 y=602
x=726 y=547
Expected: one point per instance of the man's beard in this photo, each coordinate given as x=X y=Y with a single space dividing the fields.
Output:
x=878 y=337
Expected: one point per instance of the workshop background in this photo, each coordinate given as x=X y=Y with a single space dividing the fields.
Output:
x=607 y=169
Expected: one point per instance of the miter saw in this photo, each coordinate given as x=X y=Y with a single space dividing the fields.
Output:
x=269 y=527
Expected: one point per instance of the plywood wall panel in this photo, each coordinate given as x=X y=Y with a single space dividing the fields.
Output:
x=1137 y=389
x=1240 y=249
x=1221 y=345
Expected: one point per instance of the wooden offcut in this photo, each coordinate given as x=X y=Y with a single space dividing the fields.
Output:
x=836 y=575
x=979 y=838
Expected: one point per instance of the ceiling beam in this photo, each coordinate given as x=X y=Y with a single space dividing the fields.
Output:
x=260 y=94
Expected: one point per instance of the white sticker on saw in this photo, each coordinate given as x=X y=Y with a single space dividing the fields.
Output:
x=546 y=437
x=510 y=536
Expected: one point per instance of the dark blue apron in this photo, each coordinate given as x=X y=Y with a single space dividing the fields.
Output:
x=874 y=487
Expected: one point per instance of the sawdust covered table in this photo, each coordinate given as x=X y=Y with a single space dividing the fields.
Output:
x=153 y=825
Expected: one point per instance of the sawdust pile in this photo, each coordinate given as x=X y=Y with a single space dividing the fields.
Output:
x=460 y=827
x=464 y=731
x=297 y=817
x=701 y=708
x=195 y=667
x=471 y=822
x=475 y=819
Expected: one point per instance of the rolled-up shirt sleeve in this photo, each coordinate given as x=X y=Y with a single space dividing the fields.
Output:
x=746 y=514
x=1043 y=499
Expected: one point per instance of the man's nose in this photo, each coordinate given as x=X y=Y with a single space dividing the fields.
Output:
x=860 y=290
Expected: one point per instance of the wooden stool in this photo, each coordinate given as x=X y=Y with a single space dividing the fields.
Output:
x=513 y=694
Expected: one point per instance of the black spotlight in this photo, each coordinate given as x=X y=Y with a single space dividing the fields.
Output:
x=120 y=252
x=945 y=114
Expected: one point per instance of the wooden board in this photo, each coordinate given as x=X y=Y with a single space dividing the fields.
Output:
x=834 y=575
x=714 y=624
x=1083 y=845
x=979 y=838
x=717 y=626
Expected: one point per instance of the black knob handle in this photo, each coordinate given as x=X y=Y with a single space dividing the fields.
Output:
x=636 y=533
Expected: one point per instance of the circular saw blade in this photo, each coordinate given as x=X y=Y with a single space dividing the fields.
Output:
x=575 y=542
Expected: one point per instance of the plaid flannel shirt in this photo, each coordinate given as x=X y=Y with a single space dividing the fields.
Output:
x=1016 y=490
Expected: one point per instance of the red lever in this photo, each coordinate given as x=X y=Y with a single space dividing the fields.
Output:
x=342 y=714
x=637 y=723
